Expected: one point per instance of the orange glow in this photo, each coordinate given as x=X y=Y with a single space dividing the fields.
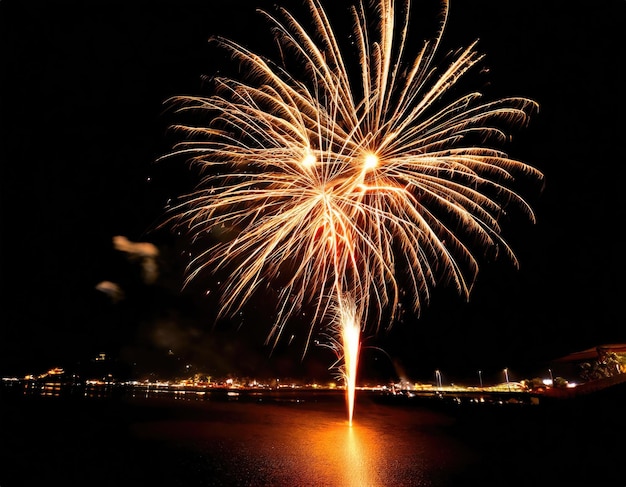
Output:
x=351 y=456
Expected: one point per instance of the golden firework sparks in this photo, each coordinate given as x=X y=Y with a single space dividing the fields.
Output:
x=353 y=178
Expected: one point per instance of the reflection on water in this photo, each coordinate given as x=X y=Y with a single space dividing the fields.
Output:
x=348 y=453
x=99 y=436
x=312 y=443
x=63 y=389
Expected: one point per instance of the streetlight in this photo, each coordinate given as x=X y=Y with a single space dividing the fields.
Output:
x=506 y=376
x=480 y=378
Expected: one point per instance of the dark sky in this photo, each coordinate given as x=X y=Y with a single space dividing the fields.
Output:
x=82 y=86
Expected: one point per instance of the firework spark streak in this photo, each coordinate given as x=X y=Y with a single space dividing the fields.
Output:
x=349 y=329
x=349 y=178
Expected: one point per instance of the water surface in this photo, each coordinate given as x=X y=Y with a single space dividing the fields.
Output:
x=305 y=441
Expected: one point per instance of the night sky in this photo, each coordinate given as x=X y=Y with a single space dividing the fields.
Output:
x=82 y=92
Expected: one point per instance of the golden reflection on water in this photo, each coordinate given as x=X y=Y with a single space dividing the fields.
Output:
x=308 y=444
x=348 y=453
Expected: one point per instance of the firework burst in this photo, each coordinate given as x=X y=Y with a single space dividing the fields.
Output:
x=351 y=177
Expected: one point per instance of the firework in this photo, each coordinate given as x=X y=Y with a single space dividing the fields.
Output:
x=354 y=183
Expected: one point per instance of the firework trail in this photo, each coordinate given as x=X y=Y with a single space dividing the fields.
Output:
x=349 y=181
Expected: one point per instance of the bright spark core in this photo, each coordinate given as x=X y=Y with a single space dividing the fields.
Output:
x=309 y=159
x=370 y=162
x=337 y=181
